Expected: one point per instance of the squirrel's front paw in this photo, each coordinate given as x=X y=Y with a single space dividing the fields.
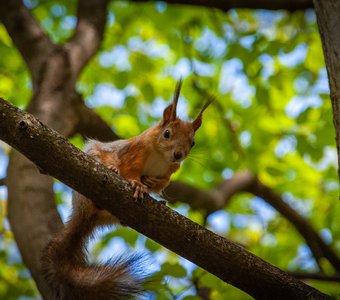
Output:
x=139 y=188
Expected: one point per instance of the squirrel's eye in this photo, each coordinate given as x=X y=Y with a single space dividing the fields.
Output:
x=166 y=134
x=193 y=144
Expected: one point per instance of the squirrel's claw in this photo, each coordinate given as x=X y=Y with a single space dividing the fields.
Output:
x=114 y=169
x=139 y=189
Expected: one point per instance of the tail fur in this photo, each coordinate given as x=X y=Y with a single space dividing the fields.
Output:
x=72 y=277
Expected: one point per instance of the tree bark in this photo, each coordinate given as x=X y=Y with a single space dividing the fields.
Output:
x=219 y=256
x=328 y=13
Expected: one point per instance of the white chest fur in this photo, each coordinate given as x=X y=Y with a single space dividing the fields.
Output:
x=156 y=165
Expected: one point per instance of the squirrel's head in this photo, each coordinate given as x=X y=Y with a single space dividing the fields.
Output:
x=176 y=136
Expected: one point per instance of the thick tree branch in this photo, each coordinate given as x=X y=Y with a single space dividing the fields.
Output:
x=289 y=5
x=26 y=33
x=217 y=255
x=245 y=181
x=88 y=33
x=327 y=13
x=315 y=276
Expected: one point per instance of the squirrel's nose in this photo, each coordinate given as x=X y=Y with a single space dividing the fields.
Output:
x=178 y=155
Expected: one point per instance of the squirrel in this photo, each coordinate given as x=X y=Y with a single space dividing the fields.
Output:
x=146 y=161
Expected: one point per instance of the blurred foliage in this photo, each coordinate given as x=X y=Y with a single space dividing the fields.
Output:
x=272 y=116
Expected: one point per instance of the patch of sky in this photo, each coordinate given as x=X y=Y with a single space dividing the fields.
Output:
x=310 y=16
x=3 y=193
x=188 y=265
x=304 y=259
x=68 y=23
x=182 y=209
x=247 y=41
x=326 y=235
x=219 y=221
x=203 y=69
x=295 y=57
x=234 y=81
x=321 y=85
x=58 y=10
x=13 y=254
x=65 y=208
x=106 y=94
x=228 y=32
x=117 y=245
x=267 y=22
x=182 y=69
x=227 y=173
x=3 y=171
x=329 y=159
x=263 y=210
x=301 y=85
x=298 y=104
x=31 y=3
x=246 y=220
x=209 y=41
x=111 y=18
x=303 y=207
x=159 y=104
x=161 y=6
x=149 y=47
x=131 y=90
x=118 y=56
x=245 y=138
x=4 y=163
x=285 y=145
x=267 y=65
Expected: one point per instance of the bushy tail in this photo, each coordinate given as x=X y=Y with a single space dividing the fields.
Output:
x=70 y=276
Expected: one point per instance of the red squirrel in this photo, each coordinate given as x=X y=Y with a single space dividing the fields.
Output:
x=147 y=162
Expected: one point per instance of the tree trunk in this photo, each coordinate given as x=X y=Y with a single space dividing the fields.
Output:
x=328 y=16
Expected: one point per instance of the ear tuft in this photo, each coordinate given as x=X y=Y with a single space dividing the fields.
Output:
x=198 y=121
x=170 y=112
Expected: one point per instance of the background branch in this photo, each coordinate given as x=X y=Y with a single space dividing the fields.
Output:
x=2 y=181
x=91 y=16
x=91 y=125
x=289 y=5
x=27 y=35
x=217 y=255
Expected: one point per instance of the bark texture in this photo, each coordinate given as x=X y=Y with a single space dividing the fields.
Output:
x=328 y=13
x=219 y=256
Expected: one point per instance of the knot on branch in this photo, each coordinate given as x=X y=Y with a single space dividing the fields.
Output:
x=23 y=124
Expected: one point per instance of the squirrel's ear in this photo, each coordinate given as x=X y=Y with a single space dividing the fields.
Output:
x=170 y=113
x=198 y=121
x=167 y=113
